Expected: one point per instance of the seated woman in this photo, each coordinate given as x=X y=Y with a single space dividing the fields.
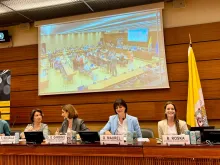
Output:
x=121 y=123
x=71 y=120
x=36 y=125
x=4 y=128
x=171 y=125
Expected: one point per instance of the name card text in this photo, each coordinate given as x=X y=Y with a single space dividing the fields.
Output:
x=112 y=139
x=7 y=139
x=175 y=139
x=56 y=139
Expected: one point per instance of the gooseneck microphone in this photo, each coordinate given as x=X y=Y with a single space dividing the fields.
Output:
x=15 y=119
x=116 y=131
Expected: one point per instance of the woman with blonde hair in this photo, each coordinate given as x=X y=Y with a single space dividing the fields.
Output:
x=171 y=125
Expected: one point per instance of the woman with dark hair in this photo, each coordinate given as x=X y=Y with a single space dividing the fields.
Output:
x=71 y=120
x=171 y=125
x=121 y=123
x=36 y=125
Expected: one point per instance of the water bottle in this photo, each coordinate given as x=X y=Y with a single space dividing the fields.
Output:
x=192 y=137
x=198 y=137
x=74 y=136
x=129 y=137
x=69 y=136
x=17 y=136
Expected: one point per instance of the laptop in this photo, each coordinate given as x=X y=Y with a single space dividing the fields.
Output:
x=34 y=137
x=89 y=136
x=213 y=135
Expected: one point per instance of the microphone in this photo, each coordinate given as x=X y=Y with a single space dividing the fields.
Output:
x=116 y=131
x=64 y=127
x=15 y=118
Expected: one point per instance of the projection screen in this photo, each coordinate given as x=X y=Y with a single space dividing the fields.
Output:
x=112 y=53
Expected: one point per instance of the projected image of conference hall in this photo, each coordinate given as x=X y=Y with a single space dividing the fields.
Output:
x=118 y=52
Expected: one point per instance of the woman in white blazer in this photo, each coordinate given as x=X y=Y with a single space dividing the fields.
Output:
x=171 y=125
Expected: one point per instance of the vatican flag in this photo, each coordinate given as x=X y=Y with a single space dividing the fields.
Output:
x=196 y=112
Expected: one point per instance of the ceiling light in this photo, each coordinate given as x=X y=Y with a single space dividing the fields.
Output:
x=20 y=5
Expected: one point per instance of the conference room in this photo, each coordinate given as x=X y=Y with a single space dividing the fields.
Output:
x=89 y=54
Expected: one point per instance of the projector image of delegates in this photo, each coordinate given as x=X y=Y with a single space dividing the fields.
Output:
x=112 y=53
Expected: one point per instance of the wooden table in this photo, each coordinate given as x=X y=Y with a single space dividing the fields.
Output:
x=82 y=154
x=96 y=154
x=180 y=155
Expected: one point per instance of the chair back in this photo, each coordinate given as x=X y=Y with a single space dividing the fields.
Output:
x=147 y=133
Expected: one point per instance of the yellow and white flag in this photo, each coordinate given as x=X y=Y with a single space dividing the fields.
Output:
x=196 y=112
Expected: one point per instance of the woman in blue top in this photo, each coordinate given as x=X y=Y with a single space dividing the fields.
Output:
x=121 y=123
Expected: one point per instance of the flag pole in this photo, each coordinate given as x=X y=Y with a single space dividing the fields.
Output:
x=190 y=41
x=195 y=101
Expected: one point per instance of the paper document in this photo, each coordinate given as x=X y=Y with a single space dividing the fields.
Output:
x=143 y=140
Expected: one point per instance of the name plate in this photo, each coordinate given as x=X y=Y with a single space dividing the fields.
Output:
x=111 y=139
x=56 y=139
x=7 y=139
x=175 y=139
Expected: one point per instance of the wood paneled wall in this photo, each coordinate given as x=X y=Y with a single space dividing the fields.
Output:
x=147 y=105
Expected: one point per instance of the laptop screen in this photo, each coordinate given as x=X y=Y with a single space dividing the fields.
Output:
x=89 y=136
x=212 y=135
x=35 y=137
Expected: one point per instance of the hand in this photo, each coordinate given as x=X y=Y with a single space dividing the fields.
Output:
x=78 y=137
x=57 y=132
x=22 y=135
x=108 y=133
x=2 y=134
